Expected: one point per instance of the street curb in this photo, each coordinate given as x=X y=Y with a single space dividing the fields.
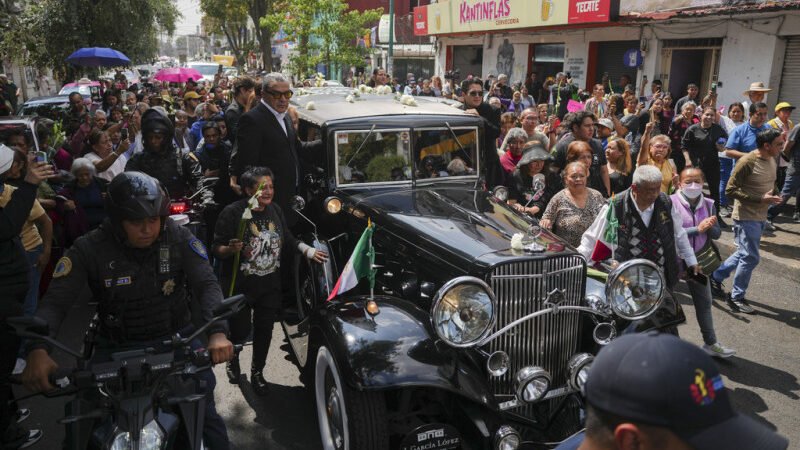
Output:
x=767 y=262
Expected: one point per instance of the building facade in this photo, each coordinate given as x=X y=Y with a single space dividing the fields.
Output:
x=725 y=44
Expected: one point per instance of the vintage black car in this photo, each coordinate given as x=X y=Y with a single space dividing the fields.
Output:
x=465 y=342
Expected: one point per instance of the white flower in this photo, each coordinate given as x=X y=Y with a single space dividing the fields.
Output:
x=408 y=100
x=350 y=99
x=383 y=90
x=247 y=214
x=516 y=241
x=311 y=106
x=365 y=89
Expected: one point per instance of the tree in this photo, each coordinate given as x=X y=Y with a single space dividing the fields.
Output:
x=229 y=17
x=47 y=31
x=335 y=33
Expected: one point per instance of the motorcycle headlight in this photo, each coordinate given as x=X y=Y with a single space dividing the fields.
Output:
x=635 y=289
x=151 y=437
x=463 y=311
x=122 y=441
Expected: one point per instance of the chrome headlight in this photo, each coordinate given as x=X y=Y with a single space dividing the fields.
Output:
x=531 y=384
x=506 y=438
x=635 y=289
x=150 y=438
x=463 y=311
x=579 y=370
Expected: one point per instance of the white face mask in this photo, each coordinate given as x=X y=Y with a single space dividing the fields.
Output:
x=692 y=190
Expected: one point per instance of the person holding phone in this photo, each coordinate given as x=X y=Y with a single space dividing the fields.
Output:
x=700 y=222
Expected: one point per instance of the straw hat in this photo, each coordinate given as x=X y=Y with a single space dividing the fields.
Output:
x=758 y=86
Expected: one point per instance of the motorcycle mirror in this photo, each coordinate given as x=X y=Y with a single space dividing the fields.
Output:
x=298 y=203
x=230 y=304
x=29 y=326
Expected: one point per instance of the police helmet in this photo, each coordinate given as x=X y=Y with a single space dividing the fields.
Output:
x=134 y=196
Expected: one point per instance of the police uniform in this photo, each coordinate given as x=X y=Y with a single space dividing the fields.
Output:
x=140 y=294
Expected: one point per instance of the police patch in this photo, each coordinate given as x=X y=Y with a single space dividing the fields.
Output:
x=63 y=267
x=198 y=247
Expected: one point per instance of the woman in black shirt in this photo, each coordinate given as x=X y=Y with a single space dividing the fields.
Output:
x=700 y=146
x=620 y=167
x=532 y=182
x=265 y=236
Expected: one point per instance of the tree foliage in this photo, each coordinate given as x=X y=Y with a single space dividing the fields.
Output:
x=46 y=32
x=323 y=31
x=229 y=18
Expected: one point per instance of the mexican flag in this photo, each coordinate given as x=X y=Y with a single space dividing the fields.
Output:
x=359 y=265
x=604 y=247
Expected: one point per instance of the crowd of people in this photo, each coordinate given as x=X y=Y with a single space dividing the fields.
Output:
x=642 y=163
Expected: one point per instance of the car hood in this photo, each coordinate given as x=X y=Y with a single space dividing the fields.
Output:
x=466 y=223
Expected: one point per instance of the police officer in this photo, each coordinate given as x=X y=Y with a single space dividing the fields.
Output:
x=161 y=159
x=136 y=265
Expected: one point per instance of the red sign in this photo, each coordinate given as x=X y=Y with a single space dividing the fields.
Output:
x=589 y=11
x=421 y=20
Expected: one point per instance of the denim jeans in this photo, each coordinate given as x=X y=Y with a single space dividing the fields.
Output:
x=34 y=276
x=701 y=297
x=791 y=186
x=744 y=261
x=725 y=169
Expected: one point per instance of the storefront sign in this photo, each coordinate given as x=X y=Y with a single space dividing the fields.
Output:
x=633 y=58
x=466 y=16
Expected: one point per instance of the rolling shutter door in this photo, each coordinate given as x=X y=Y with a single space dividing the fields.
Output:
x=610 y=58
x=790 y=78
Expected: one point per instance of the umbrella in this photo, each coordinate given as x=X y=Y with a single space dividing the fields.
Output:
x=98 y=57
x=178 y=74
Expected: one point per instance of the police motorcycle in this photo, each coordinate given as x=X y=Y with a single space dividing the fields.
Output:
x=137 y=399
x=188 y=211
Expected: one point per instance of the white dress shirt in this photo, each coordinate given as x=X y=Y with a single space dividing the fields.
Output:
x=682 y=244
x=277 y=115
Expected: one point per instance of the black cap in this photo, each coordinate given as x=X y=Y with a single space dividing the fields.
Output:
x=658 y=379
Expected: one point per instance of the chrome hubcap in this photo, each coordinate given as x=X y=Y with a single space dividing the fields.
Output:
x=334 y=410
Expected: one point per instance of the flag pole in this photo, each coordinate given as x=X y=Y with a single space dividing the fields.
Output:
x=372 y=264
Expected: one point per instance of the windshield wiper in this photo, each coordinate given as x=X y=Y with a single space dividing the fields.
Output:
x=460 y=147
x=362 y=144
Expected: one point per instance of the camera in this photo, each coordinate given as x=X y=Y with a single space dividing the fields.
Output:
x=454 y=75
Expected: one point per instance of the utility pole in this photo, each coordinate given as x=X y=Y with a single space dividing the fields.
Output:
x=390 y=58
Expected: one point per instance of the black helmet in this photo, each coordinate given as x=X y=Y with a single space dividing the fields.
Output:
x=136 y=195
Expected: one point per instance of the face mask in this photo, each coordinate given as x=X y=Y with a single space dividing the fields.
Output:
x=692 y=190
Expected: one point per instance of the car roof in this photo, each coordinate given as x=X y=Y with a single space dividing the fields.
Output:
x=331 y=104
x=48 y=99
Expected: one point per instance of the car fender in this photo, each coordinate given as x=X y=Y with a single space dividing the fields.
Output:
x=669 y=314
x=396 y=348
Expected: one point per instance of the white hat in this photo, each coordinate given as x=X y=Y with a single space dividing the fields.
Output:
x=6 y=158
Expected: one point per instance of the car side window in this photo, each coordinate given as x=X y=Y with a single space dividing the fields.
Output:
x=376 y=156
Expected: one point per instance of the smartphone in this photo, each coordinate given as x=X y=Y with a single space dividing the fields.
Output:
x=40 y=156
x=714 y=87
x=219 y=69
x=642 y=99
x=699 y=278
x=123 y=134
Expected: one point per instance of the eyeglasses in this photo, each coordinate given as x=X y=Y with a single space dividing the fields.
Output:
x=475 y=93
x=276 y=94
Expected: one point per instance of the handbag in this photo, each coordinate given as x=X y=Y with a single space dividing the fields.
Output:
x=708 y=257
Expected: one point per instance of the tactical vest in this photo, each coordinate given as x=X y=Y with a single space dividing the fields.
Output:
x=655 y=243
x=141 y=293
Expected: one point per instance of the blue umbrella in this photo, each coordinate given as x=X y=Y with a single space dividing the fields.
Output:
x=98 y=57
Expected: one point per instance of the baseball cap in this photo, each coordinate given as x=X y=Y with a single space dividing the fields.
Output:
x=6 y=158
x=606 y=122
x=191 y=95
x=660 y=380
x=784 y=105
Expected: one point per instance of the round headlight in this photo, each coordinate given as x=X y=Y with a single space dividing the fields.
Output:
x=579 y=370
x=333 y=205
x=506 y=438
x=635 y=289
x=463 y=311
x=531 y=384
x=500 y=193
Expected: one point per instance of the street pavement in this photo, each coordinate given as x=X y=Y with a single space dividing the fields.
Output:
x=762 y=377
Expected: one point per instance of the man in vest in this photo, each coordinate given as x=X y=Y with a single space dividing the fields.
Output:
x=649 y=227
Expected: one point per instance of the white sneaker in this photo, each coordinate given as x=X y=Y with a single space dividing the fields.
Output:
x=718 y=350
x=19 y=366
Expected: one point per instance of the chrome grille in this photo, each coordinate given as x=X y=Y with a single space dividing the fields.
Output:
x=548 y=341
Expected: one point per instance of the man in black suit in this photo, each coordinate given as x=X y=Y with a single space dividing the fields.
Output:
x=266 y=138
x=474 y=104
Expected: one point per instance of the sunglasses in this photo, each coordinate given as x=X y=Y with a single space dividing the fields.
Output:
x=275 y=94
x=475 y=93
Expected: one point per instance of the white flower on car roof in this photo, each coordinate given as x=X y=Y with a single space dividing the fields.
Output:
x=311 y=106
x=350 y=99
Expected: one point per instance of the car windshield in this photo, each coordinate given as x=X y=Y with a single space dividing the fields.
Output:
x=83 y=89
x=205 y=69
x=446 y=152
x=376 y=156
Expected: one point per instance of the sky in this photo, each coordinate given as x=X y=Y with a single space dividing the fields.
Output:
x=191 y=16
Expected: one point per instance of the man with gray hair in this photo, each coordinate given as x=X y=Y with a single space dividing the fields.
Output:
x=649 y=227
x=266 y=138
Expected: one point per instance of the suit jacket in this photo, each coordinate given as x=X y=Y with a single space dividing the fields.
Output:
x=261 y=141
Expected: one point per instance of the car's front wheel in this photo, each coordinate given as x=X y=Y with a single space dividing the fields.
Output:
x=348 y=419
